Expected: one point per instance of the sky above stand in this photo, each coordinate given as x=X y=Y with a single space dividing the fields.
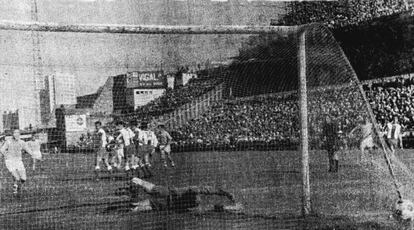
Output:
x=91 y=58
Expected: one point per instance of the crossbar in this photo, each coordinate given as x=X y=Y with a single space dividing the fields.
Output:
x=142 y=29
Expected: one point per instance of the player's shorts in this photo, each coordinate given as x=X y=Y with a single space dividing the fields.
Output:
x=393 y=143
x=368 y=142
x=144 y=150
x=16 y=168
x=37 y=155
x=333 y=154
x=129 y=150
x=102 y=153
x=160 y=191
x=167 y=148
x=119 y=152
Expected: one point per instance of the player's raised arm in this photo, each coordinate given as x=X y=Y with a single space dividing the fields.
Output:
x=119 y=137
x=4 y=148
x=147 y=186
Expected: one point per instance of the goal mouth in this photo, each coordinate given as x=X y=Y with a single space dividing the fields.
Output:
x=264 y=113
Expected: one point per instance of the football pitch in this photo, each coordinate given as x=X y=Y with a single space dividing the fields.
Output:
x=64 y=193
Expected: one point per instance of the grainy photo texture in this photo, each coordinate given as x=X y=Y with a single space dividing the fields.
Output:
x=207 y=114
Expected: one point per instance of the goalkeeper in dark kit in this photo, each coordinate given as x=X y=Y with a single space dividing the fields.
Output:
x=177 y=199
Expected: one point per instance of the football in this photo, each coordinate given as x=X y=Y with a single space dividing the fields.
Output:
x=404 y=210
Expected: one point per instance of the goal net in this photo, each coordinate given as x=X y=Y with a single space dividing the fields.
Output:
x=264 y=114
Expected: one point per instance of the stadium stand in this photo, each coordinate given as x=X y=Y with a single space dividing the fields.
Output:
x=270 y=120
x=393 y=98
x=341 y=13
x=173 y=98
x=373 y=34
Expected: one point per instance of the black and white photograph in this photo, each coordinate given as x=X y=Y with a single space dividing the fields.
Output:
x=207 y=114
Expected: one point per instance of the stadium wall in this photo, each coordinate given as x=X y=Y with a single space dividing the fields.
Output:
x=72 y=138
x=104 y=103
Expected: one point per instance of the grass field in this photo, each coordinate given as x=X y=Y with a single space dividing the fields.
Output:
x=64 y=193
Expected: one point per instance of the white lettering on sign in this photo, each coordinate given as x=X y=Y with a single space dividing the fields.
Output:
x=145 y=79
x=148 y=77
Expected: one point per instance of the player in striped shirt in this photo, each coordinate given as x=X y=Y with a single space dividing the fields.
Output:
x=393 y=134
x=117 y=151
x=147 y=143
x=12 y=153
x=367 y=140
x=126 y=136
x=164 y=144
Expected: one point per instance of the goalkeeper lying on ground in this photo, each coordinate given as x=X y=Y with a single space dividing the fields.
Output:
x=177 y=199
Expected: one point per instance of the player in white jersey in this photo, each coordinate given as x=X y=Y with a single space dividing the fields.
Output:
x=126 y=136
x=367 y=140
x=34 y=145
x=100 y=143
x=147 y=142
x=393 y=134
x=119 y=153
x=12 y=153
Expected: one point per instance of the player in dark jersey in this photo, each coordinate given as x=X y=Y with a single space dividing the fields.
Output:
x=330 y=133
x=176 y=199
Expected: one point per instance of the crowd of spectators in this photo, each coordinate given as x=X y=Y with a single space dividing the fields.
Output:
x=243 y=120
x=393 y=98
x=273 y=119
x=341 y=13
